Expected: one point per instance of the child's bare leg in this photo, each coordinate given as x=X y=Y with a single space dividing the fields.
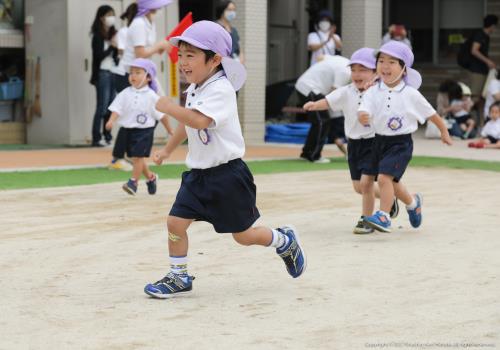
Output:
x=402 y=193
x=137 y=164
x=340 y=145
x=145 y=170
x=368 y=194
x=259 y=235
x=386 y=192
x=177 y=235
x=492 y=145
x=357 y=186
x=470 y=125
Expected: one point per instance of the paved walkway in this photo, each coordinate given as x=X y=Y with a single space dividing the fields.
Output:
x=96 y=157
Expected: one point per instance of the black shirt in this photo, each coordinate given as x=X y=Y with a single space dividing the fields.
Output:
x=99 y=54
x=476 y=65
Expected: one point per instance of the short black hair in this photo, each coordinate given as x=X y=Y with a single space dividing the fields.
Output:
x=401 y=62
x=221 y=7
x=490 y=20
x=494 y=104
x=209 y=54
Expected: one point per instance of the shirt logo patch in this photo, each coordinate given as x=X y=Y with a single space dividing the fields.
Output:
x=395 y=123
x=204 y=136
x=199 y=103
x=141 y=118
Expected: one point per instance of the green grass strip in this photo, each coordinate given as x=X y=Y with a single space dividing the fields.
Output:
x=58 y=178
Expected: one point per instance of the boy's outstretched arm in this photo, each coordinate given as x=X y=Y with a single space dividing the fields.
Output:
x=112 y=119
x=166 y=124
x=319 y=105
x=189 y=117
x=439 y=122
x=177 y=138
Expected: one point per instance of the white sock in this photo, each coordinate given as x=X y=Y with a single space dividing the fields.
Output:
x=178 y=265
x=386 y=214
x=413 y=204
x=279 y=239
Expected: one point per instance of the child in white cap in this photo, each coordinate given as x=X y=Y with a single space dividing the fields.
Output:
x=394 y=107
x=134 y=109
x=219 y=188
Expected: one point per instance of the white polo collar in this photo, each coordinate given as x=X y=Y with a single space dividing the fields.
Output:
x=213 y=78
x=397 y=88
x=145 y=88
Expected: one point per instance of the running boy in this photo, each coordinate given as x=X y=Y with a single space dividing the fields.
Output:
x=219 y=188
x=134 y=109
x=360 y=138
x=394 y=107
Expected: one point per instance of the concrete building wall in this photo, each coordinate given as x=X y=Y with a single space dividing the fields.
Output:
x=252 y=26
x=361 y=24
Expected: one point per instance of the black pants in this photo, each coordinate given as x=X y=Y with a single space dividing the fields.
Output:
x=320 y=128
x=120 y=147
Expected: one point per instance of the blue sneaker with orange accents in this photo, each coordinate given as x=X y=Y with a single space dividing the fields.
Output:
x=130 y=187
x=415 y=215
x=169 y=286
x=292 y=253
x=379 y=221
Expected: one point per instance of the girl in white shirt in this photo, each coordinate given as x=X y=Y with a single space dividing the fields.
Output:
x=394 y=107
x=490 y=135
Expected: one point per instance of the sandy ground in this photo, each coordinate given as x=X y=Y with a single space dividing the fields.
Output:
x=74 y=261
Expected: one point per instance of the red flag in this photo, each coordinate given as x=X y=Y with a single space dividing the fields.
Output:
x=181 y=27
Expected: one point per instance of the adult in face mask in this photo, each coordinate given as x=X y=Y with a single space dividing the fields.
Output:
x=141 y=43
x=225 y=12
x=323 y=41
x=104 y=58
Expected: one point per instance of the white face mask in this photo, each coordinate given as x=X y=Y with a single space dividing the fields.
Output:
x=109 y=21
x=324 y=26
x=230 y=15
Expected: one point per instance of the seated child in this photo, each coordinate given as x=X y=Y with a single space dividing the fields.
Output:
x=461 y=105
x=490 y=135
x=134 y=109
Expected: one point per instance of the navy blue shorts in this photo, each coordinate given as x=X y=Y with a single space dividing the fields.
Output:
x=392 y=154
x=139 y=141
x=493 y=139
x=359 y=157
x=224 y=196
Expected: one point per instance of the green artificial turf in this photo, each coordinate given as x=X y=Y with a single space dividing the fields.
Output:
x=57 y=178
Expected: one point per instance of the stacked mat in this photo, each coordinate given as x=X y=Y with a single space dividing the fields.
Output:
x=287 y=133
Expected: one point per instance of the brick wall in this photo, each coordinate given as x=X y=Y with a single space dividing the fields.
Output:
x=251 y=23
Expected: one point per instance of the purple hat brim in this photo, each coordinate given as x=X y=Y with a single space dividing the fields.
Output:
x=235 y=72
x=175 y=41
x=413 y=78
x=154 y=5
x=366 y=64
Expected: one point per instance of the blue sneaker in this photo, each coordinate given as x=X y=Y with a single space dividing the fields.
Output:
x=415 y=215
x=130 y=187
x=292 y=253
x=169 y=286
x=152 y=184
x=379 y=221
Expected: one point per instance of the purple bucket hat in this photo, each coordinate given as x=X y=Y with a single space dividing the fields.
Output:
x=403 y=52
x=365 y=57
x=150 y=68
x=145 y=6
x=207 y=35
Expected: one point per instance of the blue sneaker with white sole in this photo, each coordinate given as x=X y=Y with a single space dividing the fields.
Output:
x=415 y=215
x=169 y=286
x=292 y=253
x=379 y=221
x=130 y=187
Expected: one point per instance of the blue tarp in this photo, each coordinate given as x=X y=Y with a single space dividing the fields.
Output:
x=287 y=133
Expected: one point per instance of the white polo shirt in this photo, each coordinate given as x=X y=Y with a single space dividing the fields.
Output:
x=397 y=110
x=141 y=32
x=332 y=72
x=493 y=89
x=136 y=108
x=222 y=141
x=491 y=128
x=348 y=99
x=121 y=43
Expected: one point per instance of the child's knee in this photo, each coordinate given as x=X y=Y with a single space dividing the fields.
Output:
x=366 y=185
x=174 y=229
x=357 y=186
x=242 y=238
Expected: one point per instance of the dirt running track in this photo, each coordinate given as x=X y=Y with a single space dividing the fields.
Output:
x=74 y=261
